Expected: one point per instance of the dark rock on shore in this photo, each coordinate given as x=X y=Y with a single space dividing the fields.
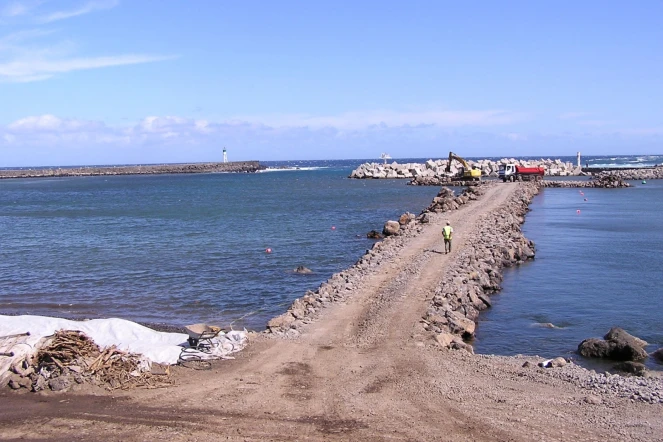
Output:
x=374 y=234
x=658 y=355
x=634 y=368
x=617 y=345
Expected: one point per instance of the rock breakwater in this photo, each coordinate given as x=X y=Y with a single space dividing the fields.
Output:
x=152 y=169
x=438 y=169
x=605 y=180
x=337 y=288
x=476 y=272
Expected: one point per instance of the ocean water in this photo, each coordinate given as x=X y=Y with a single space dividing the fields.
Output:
x=599 y=261
x=182 y=249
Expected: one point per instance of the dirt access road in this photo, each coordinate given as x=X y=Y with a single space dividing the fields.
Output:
x=365 y=370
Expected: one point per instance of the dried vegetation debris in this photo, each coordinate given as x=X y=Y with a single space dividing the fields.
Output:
x=70 y=357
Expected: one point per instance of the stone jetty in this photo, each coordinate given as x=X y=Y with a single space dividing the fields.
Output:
x=460 y=297
x=437 y=169
x=151 y=169
x=476 y=273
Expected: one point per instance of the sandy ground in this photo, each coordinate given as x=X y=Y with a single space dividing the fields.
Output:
x=365 y=370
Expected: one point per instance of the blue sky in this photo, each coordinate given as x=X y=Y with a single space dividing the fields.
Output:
x=119 y=81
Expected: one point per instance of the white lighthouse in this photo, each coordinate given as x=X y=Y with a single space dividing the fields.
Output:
x=225 y=155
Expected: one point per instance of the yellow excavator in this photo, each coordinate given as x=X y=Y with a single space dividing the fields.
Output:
x=466 y=172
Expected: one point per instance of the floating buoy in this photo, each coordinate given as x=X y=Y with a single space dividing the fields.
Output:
x=644 y=182
x=582 y=193
x=585 y=199
x=268 y=250
x=333 y=227
x=578 y=211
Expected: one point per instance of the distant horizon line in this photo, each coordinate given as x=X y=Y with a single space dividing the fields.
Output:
x=376 y=159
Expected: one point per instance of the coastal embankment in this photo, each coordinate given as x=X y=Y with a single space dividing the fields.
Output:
x=150 y=169
x=361 y=359
x=434 y=172
x=438 y=169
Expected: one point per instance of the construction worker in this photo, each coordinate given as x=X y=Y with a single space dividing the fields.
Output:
x=447 y=232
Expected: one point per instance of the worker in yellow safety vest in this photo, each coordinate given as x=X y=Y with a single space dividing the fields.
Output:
x=447 y=232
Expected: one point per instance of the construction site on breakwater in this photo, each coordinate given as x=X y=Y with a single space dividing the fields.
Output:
x=557 y=173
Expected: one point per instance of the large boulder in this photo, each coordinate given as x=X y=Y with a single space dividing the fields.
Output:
x=596 y=348
x=617 y=344
x=405 y=219
x=281 y=323
x=391 y=228
x=658 y=355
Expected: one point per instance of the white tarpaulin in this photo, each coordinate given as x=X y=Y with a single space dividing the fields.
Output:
x=159 y=347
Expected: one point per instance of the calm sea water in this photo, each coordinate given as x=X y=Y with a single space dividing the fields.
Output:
x=593 y=270
x=180 y=249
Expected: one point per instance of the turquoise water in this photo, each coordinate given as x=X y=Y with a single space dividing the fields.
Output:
x=181 y=249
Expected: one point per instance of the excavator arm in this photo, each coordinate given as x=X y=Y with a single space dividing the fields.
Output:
x=453 y=156
x=467 y=172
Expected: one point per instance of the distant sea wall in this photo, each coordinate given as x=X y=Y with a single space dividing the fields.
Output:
x=437 y=168
x=153 y=169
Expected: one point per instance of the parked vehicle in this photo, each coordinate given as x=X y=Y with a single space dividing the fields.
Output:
x=513 y=172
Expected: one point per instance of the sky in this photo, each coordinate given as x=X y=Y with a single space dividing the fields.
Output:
x=87 y=82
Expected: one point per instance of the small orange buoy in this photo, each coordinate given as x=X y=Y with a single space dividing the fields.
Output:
x=578 y=211
x=333 y=227
x=268 y=250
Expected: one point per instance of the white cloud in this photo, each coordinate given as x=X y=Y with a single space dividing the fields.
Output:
x=41 y=69
x=82 y=10
x=18 y=8
x=28 y=56
x=51 y=123
x=357 y=120
x=180 y=139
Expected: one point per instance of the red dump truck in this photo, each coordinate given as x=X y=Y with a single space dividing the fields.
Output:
x=513 y=172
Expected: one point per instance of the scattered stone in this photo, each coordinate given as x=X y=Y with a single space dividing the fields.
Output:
x=593 y=400
x=444 y=339
x=59 y=384
x=634 y=368
x=556 y=362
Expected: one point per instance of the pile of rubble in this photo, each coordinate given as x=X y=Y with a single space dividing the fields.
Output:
x=69 y=358
x=446 y=199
